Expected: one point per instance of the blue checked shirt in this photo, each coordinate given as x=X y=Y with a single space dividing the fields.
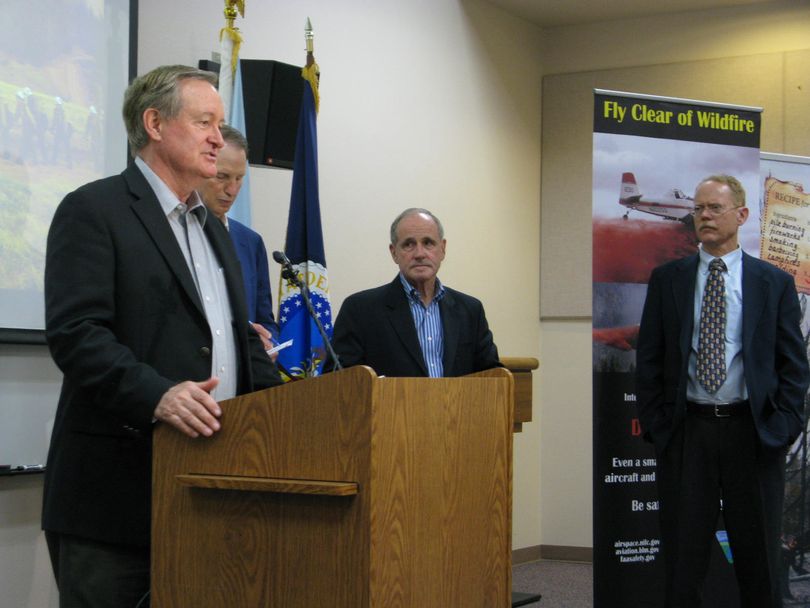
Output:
x=428 y=323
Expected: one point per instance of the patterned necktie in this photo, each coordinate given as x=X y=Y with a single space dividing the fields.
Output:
x=711 y=363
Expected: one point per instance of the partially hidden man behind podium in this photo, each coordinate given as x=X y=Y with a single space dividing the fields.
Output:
x=146 y=318
x=219 y=194
x=415 y=325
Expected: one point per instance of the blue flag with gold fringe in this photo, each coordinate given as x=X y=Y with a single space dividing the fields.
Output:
x=304 y=247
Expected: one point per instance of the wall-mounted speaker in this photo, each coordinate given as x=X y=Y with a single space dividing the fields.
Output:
x=272 y=93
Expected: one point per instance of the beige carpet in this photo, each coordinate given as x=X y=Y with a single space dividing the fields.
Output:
x=561 y=584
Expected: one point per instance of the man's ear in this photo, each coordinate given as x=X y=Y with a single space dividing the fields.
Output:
x=392 y=250
x=743 y=215
x=152 y=123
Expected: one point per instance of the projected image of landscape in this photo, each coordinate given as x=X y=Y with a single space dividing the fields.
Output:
x=63 y=70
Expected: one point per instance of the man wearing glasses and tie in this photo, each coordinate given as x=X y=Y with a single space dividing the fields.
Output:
x=721 y=379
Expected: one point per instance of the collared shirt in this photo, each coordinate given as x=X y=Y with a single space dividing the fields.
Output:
x=428 y=322
x=733 y=389
x=187 y=220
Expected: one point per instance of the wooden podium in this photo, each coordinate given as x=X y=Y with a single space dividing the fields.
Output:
x=345 y=490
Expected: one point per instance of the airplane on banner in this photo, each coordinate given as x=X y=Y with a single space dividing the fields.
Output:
x=674 y=206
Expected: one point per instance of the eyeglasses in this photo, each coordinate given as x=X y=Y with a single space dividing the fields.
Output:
x=714 y=209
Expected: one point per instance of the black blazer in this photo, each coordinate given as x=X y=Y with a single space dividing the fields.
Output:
x=124 y=323
x=774 y=355
x=375 y=328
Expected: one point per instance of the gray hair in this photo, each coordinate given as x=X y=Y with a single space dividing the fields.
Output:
x=159 y=90
x=414 y=211
x=732 y=182
x=234 y=137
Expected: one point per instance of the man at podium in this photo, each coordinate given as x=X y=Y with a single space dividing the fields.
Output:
x=146 y=318
x=415 y=325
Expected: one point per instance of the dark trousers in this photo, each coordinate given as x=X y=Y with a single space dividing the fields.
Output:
x=707 y=461
x=91 y=574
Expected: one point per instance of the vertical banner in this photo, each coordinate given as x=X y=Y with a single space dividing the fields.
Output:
x=785 y=196
x=649 y=154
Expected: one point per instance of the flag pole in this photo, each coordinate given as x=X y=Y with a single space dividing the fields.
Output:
x=312 y=72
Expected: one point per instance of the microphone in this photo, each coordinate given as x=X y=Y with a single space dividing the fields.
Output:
x=281 y=258
x=288 y=272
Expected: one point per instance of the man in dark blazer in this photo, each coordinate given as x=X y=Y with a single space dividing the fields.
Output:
x=219 y=194
x=415 y=326
x=252 y=256
x=146 y=318
x=721 y=432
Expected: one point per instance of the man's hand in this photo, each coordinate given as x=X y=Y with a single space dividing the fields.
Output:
x=265 y=336
x=190 y=408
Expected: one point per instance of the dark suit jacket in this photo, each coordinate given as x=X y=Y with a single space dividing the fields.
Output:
x=256 y=274
x=375 y=328
x=774 y=356
x=124 y=323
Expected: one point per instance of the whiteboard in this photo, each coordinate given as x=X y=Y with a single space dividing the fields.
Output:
x=29 y=390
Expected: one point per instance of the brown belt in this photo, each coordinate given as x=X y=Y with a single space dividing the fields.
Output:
x=718 y=410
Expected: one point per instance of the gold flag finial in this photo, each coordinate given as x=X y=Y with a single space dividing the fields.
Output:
x=231 y=9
